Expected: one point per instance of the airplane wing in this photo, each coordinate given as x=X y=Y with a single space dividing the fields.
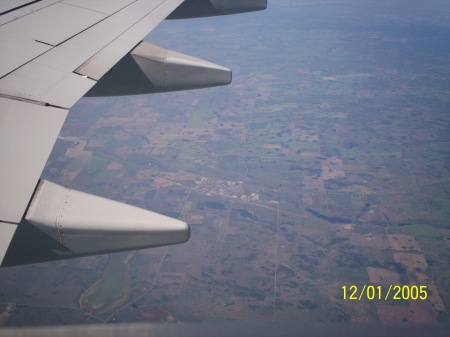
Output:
x=52 y=53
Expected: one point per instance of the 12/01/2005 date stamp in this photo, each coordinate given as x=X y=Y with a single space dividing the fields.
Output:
x=385 y=293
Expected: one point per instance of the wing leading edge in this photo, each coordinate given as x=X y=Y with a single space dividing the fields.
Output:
x=52 y=54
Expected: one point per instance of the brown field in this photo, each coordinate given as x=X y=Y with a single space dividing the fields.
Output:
x=114 y=166
x=144 y=174
x=388 y=314
x=397 y=208
x=358 y=189
x=424 y=312
x=68 y=175
x=272 y=146
x=192 y=133
x=196 y=219
x=309 y=154
x=403 y=242
x=312 y=183
x=364 y=240
x=413 y=262
x=332 y=168
x=180 y=175
x=383 y=276
x=308 y=199
x=433 y=293
x=172 y=282
x=121 y=135
x=159 y=182
x=96 y=143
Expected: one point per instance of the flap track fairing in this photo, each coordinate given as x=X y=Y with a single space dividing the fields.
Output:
x=152 y=69
x=85 y=224
x=203 y=8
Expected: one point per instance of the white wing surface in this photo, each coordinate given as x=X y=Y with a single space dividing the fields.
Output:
x=52 y=53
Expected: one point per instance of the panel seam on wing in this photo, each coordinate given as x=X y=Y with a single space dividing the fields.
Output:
x=27 y=100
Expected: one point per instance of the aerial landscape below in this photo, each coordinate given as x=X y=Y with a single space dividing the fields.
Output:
x=316 y=185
